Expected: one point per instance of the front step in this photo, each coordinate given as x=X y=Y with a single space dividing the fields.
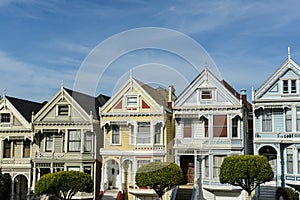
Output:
x=184 y=193
x=268 y=191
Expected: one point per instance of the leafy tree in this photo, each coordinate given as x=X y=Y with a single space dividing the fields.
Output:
x=246 y=171
x=159 y=176
x=64 y=184
x=5 y=186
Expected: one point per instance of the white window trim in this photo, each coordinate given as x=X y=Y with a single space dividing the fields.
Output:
x=137 y=99
x=57 y=110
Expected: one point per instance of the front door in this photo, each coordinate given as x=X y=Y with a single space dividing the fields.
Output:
x=188 y=168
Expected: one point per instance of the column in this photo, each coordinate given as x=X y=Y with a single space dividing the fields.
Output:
x=34 y=176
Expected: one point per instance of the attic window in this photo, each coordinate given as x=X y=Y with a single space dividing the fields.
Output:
x=132 y=102
x=206 y=94
x=5 y=118
x=63 y=110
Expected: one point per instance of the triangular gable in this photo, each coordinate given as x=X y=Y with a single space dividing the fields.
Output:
x=20 y=109
x=288 y=70
x=62 y=103
x=133 y=88
x=201 y=87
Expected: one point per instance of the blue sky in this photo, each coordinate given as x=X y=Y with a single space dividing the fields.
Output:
x=44 y=42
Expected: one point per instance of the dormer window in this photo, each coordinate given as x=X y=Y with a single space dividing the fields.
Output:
x=293 y=86
x=285 y=87
x=63 y=110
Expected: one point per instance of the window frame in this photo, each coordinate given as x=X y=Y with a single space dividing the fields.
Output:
x=7 y=148
x=5 y=118
x=132 y=101
x=63 y=110
x=267 y=119
x=187 y=128
x=77 y=148
x=235 y=127
x=158 y=133
x=26 y=148
x=115 y=135
x=288 y=120
x=49 y=139
x=217 y=166
x=218 y=126
x=143 y=140
x=289 y=161
x=88 y=141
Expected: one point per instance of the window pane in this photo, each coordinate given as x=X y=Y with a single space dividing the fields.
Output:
x=206 y=94
x=289 y=164
x=285 y=87
x=74 y=142
x=298 y=118
x=115 y=134
x=63 y=110
x=49 y=142
x=132 y=101
x=88 y=141
x=7 y=147
x=26 y=149
x=267 y=120
x=293 y=86
x=87 y=169
x=235 y=127
x=143 y=136
x=187 y=128
x=220 y=126
x=206 y=166
x=157 y=138
x=5 y=117
x=288 y=120
x=217 y=165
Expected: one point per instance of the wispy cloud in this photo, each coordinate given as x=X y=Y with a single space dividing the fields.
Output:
x=25 y=80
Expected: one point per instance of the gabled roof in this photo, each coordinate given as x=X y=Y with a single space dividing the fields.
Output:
x=25 y=107
x=87 y=102
x=159 y=94
x=288 y=64
x=208 y=80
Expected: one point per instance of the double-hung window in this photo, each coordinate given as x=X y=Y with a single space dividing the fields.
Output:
x=49 y=141
x=187 y=130
x=288 y=120
x=88 y=142
x=157 y=134
x=7 y=149
x=26 y=148
x=289 y=164
x=143 y=135
x=220 y=125
x=74 y=140
x=267 y=120
x=217 y=165
x=234 y=125
x=115 y=134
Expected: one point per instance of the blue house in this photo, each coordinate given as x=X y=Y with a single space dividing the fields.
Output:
x=276 y=107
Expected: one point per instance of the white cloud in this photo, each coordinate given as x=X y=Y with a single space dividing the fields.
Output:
x=24 y=80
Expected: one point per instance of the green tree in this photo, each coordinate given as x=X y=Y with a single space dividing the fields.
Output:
x=64 y=184
x=160 y=176
x=5 y=186
x=246 y=171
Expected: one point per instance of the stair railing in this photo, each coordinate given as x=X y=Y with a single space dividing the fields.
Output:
x=174 y=193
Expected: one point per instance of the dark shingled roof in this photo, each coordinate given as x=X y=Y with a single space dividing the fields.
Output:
x=25 y=107
x=89 y=103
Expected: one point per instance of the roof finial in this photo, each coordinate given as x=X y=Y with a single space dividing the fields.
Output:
x=289 y=53
x=131 y=74
x=4 y=92
x=62 y=83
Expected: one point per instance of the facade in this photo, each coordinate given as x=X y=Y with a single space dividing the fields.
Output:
x=16 y=143
x=211 y=121
x=138 y=129
x=67 y=136
x=276 y=108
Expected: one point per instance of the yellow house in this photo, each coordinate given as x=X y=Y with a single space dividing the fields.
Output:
x=138 y=129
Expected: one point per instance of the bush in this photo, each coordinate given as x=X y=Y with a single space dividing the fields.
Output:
x=287 y=194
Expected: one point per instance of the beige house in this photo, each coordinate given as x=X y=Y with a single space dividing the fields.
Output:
x=67 y=136
x=16 y=140
x=138 y=129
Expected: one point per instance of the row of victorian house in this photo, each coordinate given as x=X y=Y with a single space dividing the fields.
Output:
x=110 y=138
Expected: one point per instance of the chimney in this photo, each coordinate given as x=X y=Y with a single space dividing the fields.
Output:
x=244 y=96
x=171 y=95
